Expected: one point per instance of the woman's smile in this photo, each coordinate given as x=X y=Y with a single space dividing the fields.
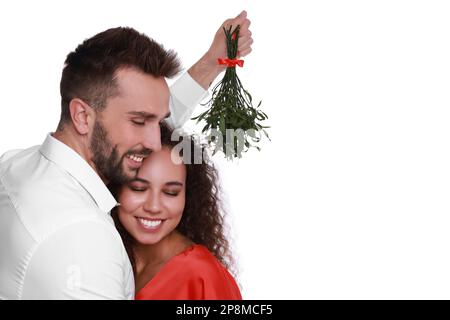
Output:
x=150 y=225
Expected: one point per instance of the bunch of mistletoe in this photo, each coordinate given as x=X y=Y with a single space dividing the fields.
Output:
x=233 y=125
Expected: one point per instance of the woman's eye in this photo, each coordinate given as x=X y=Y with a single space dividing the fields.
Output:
x=138 y=123
x=137 y=189
x=172 y=194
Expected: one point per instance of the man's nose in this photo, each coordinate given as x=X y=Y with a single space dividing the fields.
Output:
x=152 y=139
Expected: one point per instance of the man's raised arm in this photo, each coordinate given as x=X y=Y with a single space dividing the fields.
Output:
x=190 y=88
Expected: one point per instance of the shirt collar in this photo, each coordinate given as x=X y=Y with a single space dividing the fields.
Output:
x=69 y=160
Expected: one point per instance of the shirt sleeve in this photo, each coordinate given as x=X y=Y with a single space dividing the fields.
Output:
x=185 y=95
x=85 y=260
x=9 y=154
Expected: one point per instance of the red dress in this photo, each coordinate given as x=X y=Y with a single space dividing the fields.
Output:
x=194 y=274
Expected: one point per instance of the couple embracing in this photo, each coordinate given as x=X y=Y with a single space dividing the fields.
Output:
x=104 y=209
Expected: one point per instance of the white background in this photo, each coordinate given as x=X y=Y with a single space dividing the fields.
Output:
x=351 y=197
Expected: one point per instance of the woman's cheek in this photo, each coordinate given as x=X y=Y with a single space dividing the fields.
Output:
x=131 y=201
x=176 y=205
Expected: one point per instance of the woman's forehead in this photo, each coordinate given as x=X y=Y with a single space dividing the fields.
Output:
x=161 y=166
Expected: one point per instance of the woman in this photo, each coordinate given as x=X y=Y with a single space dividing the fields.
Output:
x=170 y=222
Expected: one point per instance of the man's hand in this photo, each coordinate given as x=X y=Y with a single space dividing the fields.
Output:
x=218 y=48
x=207 y=68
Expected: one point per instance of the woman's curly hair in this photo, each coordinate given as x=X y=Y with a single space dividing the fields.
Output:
x=203 y=216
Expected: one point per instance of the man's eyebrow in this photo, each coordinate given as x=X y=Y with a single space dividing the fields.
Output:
x=146 y=115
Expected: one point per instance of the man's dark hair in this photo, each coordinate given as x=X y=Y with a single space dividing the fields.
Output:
x=89 y=71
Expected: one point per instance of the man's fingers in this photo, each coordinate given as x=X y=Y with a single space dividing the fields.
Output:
x=245 y=35
x=245 y=25
x=240 y=18
x=244 y=53
x=245 y=44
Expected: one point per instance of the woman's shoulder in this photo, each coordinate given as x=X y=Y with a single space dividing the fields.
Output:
x=198 y=258
x=197 y=263
x=202 y=267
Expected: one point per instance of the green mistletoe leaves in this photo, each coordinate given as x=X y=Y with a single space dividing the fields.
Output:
x=233 y=125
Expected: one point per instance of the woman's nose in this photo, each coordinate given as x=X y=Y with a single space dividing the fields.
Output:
x=152 y=203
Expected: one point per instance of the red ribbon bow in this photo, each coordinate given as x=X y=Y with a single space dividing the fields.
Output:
x=231 y=62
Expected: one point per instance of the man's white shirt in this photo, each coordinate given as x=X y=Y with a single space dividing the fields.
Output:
x=57 y=238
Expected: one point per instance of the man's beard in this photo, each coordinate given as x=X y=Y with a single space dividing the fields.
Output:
x=106 y=157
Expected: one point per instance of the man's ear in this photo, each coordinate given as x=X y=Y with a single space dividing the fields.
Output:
x=83 y=116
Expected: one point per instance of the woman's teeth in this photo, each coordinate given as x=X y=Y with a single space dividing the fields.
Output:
x=135 y=158
x=150 y=223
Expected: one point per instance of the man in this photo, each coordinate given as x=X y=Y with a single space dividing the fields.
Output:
x=57 y=239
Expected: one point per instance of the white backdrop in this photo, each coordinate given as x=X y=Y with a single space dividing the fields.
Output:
x=351 y=197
